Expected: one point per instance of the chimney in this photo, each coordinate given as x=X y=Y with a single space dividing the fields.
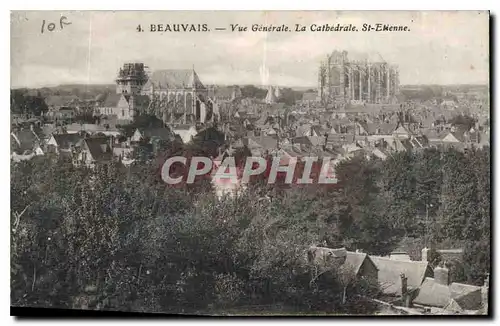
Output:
x=404 y=290
x=425 y=254
x=442 y=275
x=484 y=291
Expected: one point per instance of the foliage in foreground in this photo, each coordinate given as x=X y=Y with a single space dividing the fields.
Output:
x=121 y=239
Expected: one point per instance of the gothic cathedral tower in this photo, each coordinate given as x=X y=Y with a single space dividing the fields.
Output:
x=131 y=78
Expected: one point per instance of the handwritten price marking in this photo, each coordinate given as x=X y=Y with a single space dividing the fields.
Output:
x=52 y=26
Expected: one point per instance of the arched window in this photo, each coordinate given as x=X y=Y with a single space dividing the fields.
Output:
x=180 y=100
x=189 y=102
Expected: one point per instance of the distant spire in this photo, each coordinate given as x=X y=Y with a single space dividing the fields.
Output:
x=271 y=96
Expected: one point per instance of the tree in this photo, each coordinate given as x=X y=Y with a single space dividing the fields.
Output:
x=458 y=197
x=365 y=223
x=22 y=103
x=465 y=121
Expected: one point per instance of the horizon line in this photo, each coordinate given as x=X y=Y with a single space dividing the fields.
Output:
x=258 y=85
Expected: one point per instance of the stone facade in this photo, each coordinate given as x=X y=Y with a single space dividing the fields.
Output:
x=357 y=78
x=179 y=91
x=171 y=92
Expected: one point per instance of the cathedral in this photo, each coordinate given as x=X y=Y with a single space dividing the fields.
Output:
x=357 y=78
x=174 y=94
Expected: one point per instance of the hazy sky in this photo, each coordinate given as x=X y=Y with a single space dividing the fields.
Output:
x=441 y=47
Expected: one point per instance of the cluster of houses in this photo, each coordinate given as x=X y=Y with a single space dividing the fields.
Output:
x=266 y=127
x=88 y=144
x=263 y=127
x=408 y=287
x=347 y=132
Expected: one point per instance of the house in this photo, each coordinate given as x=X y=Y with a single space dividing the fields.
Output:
x=334 y=140
x=400 y=144
x=361 y=265
x=419 y=141
x=92 y=129
x=63 y=143
x=375 y=128
x=325 y=256
x=185 y=132
x=25 y=140
x=390 y=271
x=94 y=150
x=440 y=292
x=450 y=255
x=400 y=255
x=454 y=137
x=152 y=133
x=309 y=141
x=401 y=132
x=259 y=145
x=25 y=144
x=124 y=153
x=123 y=106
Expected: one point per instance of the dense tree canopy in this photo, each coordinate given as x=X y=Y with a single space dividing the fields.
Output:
x=120 y=238
x=22 y=103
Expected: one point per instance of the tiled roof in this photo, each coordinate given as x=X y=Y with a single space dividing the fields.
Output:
x=389 y=273
x=433 y=133
x=355 y=260
x=111 y=100
x=90 y=127
x=309 y=140
x=25 y=140
x=99 y=148
x=303 y=130
x=434 y=294
x=161 y=133
x=264 y=142
x=459 y=136
x=65 y=141
x=319 y=130
x=340 y=139
x=174 y=79
x=47 y=130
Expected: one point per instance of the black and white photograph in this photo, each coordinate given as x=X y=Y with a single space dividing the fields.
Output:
x=250 y=163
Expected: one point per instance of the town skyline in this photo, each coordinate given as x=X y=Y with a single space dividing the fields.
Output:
x=443 y=48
